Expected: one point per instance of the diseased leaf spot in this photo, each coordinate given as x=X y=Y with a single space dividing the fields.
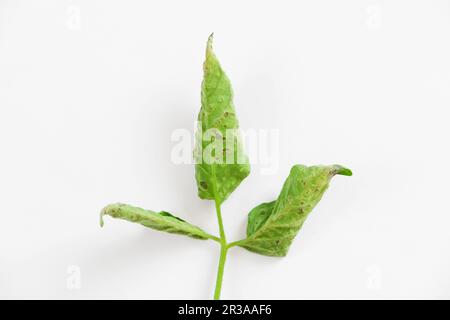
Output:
x=204 y=185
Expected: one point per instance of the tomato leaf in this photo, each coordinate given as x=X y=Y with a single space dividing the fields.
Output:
x=162 y=221
x=221 y=163
x=273 y=226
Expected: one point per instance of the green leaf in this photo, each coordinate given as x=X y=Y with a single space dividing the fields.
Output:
x=221 y=163
x=273 y=226
x=258 y=216
x=162 y=221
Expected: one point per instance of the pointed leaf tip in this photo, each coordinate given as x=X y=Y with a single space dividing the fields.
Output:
x=343 y=171
x=210 y=42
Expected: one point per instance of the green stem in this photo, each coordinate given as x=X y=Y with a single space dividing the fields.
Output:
x=223 y=257
x=223 y=252
x=235 y=243
x=214 y=238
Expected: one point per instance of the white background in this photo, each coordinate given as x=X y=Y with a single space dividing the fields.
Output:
x=90 y=92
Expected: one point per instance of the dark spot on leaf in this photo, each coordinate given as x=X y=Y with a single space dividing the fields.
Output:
x=203 y=184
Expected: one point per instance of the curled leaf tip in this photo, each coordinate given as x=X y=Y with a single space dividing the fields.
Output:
x=107 y=211
x=343 y=171
x=102 y=213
